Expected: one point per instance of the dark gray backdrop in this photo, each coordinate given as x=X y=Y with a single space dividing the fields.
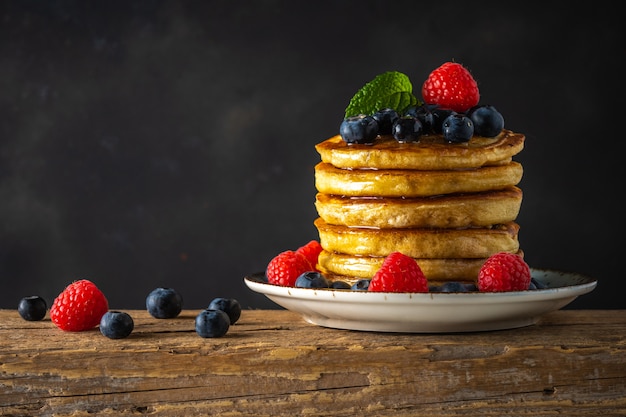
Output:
x=155 y=143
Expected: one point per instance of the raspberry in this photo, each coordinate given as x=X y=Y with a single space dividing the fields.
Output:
x=80 y=306
x=399 y=273
x=451 y=86
x=285 y=268
x=504 y=272
x=312 y=251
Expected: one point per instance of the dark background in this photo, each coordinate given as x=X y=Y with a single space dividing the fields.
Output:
x=156 y=143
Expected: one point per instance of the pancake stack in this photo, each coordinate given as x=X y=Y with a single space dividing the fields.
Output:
x=448 y=206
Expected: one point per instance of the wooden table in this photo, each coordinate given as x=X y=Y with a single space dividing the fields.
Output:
x=271 y=362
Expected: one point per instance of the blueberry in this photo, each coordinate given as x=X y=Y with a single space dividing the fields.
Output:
x=407 y=129
x=385 y=118
x=536 y=285
x=164 y=303
x=116 y=324
x=439 y=116
x=360 y=129
x=32 y=308
x=230 y=306
x=361 y=285
x=488 y=121
x=453 y=286
x=212 y=323
x=312 y=279
x=340 y=285
x=424 y=114
x=457 y=128
x=411 y=111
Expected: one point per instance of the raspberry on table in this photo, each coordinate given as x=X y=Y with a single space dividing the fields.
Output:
x=399 y=273
x=80 y=306
x=285 y=268
x=504 y=271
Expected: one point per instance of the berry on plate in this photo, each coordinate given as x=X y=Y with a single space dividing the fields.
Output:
x=361 y=285
x=312 y=252
x=80 y=306
x=339 y=285
x=285 y=268
x=164 y=303
x=504 y=271
x=312 y=279
x=451 y=86
x=116 y=324
x=399 y=273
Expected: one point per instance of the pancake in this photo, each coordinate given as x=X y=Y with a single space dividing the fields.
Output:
x=413 y=183
x=431 y=152
x=419 y=242
x=444 y=211
x=350 y=268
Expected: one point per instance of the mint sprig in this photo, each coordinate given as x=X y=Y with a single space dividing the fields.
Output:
x=391 y=89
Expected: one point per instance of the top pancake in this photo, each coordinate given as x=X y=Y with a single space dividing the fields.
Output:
x=430 y=153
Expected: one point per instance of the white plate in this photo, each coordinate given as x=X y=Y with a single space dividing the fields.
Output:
x=427 y=312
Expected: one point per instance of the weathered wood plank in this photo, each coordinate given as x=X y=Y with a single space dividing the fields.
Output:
x=273 y=363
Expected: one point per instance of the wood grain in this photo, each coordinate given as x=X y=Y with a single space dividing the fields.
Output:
x=271 y=362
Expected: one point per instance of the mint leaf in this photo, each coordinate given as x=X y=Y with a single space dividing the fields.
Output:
x=390 y=89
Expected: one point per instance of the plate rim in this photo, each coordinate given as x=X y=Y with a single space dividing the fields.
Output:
x=432 y=312
x=588 y=284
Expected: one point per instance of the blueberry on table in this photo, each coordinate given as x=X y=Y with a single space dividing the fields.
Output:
x=230 y=306
x=164 y=303
x=32 y=308
x=359 y=129
x=116 y=324
x=212 y=323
